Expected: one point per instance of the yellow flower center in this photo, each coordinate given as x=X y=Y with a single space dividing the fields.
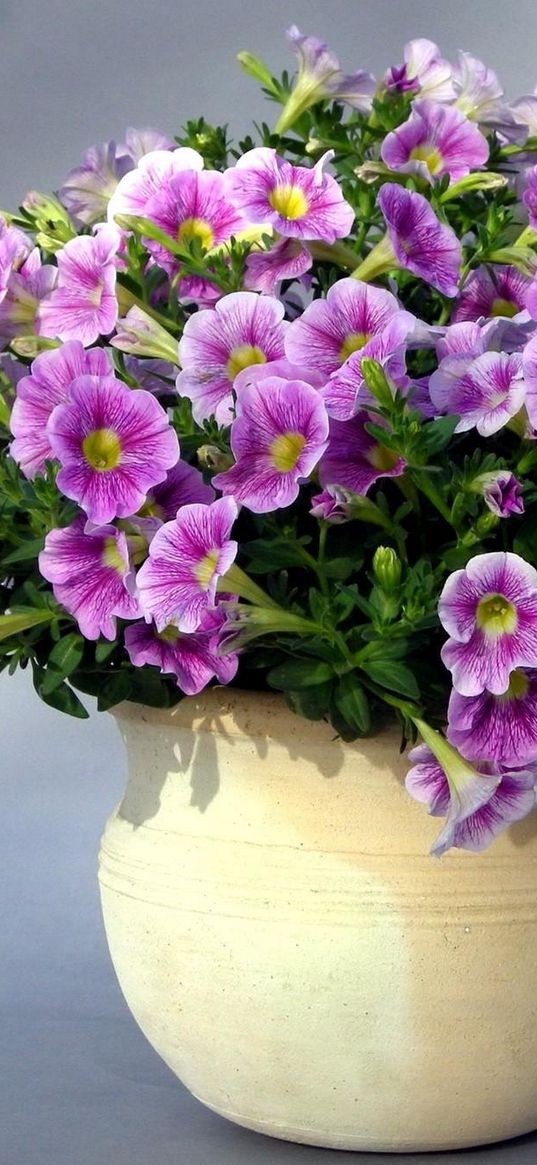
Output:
x=289 y=201
x=192 y=229
x=381 y=458
x=285 y=451
x=243 y=356
x=518 y=687
x=169 y=634
x=102 y=449
x=428 y=154
x=151 y=509
x=496 y=616
x=503 y=307
x=352 y=343
x=205 y=568
x=111 y=556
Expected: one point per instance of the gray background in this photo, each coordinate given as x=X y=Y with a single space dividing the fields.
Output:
x=78 y=1083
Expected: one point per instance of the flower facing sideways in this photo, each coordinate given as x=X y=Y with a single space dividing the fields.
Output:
x=91 y=576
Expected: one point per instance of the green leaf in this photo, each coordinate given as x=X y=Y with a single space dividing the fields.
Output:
x=296 y=674
x=23 y=553
x=116 y=687
x=437 y=434
x=22 y=620
x=268 y=555
x=312 y=703
x=351 y=701
x=64 y=659
x=62 y=697
x=394 y=676
x=104 y=649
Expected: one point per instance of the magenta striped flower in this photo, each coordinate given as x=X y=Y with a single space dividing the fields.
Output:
x=497 y=728
x=113 y=443
x=192 y=658
x=84 y=304
x=278 y=437
x=287 y=259
x=153 y=171
x=485 y=393
x=187 y=557
x=493 y=290
x=27 y=286
x=489 y=610
x=91 y=576
x=297 y=202
x=421 y=244
x=423 y=72
x=436 y=140
x=354 y=459
x=192 y=205
x=346 y=390
x=244 y=329
x=320 y=75
x=51 y=376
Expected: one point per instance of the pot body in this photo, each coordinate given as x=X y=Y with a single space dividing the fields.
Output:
x=289 y=947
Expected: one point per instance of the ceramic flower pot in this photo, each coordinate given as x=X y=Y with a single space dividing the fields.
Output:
x=292 y=952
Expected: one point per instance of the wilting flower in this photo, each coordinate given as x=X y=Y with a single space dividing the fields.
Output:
x=113 y=444
x=354 y=459
x=192 y=206
x=490 y=611
x=51 y=376
x=423 y=71
x=331 y=329
x=287 y=259
x=141 y=335
x=298 y=202
x=479 y=804
x=320 y=76
x=501 y=492
x=192 y=658
x=27 y=287
x=91 y=576
x=153 y=170
x=420 y=242
x=14 y=249
x=499 y=728
x=278 y=437
x=485 y=394
x=243 y=329
x=187 y=557
x=493 y=290
x=436 y=140
x=84 y=304
x=479 y=96
x=346 y=390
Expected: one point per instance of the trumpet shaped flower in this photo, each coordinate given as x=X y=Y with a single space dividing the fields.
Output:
x=485 y=393
x=192 y=205
x=153 y=171
x=497 y=728
x=420 y=242
x=298 y=202
x=422 y=72
x=354 y=459
x=91 y=576
x=193 y=658
x=84 y=304
x=435 y=140
x=320 y=76
x=492 y=291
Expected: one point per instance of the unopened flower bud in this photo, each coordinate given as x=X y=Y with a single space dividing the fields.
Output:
x=387 y=568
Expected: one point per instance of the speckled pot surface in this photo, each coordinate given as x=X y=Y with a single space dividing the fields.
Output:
x=292 y=952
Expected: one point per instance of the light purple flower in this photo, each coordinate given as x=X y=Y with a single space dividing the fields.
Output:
x=420 y=242
x=182 y=486
x=485 y=394
x=287 y=259
x=89 y=187
x=423 y=72
x=192 y=658
x=478 y=807
x=529 y=363
x=91 y=576
x=332 y=328
x=139 y=142
x=354 y=459
x=84 y=305
x=490 y=611
x=153 y=171
x=497 y=728
x=529 y=196
x=195 y=289
x=479 y=96
x=14 y=250
x=278 y=437
x=436 y=140
x=192 y=205
x=346 y=390
x=320 y=75
x=283 y=368
x=493 y=290
x=27 y=286
x=501 y=492
x=243 y=329
x=299 y=202
x=187 y=557
x=51 y=376
x=113 y=443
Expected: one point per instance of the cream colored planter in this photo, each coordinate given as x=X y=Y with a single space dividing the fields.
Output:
x=292 y=952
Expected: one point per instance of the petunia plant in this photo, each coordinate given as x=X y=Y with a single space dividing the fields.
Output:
x=268 y=417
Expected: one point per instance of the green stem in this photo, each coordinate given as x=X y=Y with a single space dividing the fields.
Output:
x=336 y=253
x=380 y=259
x=236 y=582
x=433 y=495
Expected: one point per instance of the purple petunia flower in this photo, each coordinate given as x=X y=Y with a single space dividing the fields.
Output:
x=114 y=444
x=492 y=291
x=51 y=376
x=423 y=72
x=497 y=728
x=354 y=459
x=26 y=288
x=243 y=329
x=287 y=259
x=192 y=658
x=182 y=486
x=331 y=329
x=332 y=505
x=192 y=205
x=187 y=557
x=91 y=576
x=529 y=196
x=279 y=435
x=420 y=242
x=479 y=96
x=153 y=171
x=14 y=250
x=88 y=188
x=485 y=393
x=298 y=202
x=479 y=804
x=346 y=390
x=490 y=611
x=436 y=140
x=320 y=75
x=529 y=363
x=84 y=304
x=501 y=492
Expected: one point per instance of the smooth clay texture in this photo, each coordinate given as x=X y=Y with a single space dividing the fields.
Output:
x=294 y=954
